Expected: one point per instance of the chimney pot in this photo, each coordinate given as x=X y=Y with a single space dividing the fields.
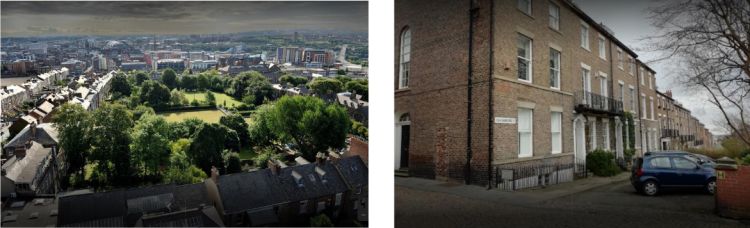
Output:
x=214 y=174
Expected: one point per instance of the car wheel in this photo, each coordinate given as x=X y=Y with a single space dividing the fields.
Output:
x=650 y=188
x=711 y=187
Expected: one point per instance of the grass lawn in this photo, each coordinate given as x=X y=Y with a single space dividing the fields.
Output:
x=220 y=98
x=209 y=116
x=247 y=153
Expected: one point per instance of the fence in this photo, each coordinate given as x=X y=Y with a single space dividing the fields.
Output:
x=511 y=177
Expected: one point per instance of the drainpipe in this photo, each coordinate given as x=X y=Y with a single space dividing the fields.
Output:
x=490 y=91
x=640 y=101
x=467 y=168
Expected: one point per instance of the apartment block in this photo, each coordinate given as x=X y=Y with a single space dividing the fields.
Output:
x=487 y=90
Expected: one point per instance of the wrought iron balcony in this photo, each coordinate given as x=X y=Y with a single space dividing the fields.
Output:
x=589 y=102
x=687 y=138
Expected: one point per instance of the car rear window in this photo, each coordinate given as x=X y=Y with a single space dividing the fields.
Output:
x=660 y=162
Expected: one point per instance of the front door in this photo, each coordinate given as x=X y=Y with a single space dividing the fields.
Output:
x=404 y=146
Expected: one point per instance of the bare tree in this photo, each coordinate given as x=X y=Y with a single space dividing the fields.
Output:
x=710 y=37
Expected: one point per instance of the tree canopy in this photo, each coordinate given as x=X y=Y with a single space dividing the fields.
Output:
x=74 y=125
x=154 y=94
x=169 y=78
x=111 y=140
x=325 y=86
x=120 y=86
x=207 y=147
x=150 y=145
x=306 y=122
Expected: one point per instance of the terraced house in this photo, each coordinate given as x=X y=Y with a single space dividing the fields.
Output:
x=491 y=92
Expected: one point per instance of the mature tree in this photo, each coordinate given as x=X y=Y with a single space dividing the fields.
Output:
x=177 y=98
x=233 y=163
x=261 y=135
x=711 y=39
x=142 y=110
x=111 y=140
x=359 y=129
x=150 y=146
x=155 y=93
x=265 y=155
x=341 y=72
x=207 y=147
x=250 y=83
x=169 y=78
x=140 y=77
x=74 y=125
x=293 y=80
x=308 y=123
x=343 y=78
x=358 y=87
x=325 y=86
x=181 y=170
x=189 y=82
x=120 y=86
x=237 y=123
x=185 y=128
x=210 y=98
x=248 y=99
x=204 y=82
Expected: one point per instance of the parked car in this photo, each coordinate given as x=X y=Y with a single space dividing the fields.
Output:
x=702 y=159
x=656 y=171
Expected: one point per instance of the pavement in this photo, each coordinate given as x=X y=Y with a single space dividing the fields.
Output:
x=590 y=202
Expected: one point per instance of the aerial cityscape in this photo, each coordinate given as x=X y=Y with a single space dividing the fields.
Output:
x=258 y=118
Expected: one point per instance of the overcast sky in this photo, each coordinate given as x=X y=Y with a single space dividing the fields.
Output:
x=125 y=18
x=631 y=24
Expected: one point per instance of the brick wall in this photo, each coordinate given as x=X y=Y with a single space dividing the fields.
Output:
x=733 y=192
x=357 y=147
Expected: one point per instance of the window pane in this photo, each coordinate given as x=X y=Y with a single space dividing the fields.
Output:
x=681 y=163
x=661 y=162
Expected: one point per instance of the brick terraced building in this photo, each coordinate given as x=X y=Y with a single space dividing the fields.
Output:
x=484 y=86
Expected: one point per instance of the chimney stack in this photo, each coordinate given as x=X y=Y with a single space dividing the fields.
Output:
x=320 y=158
x=214 y=174
x=273 y=167
x=669 y=93
x=334 y=157
x=33 y=129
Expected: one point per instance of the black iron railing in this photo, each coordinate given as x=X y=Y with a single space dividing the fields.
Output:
x=588 y=101
x=510 y=177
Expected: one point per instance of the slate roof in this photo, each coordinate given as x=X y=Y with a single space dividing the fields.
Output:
x=24 y=169
x=46 y=107
x=354 y=170
x=128 y=205
x=46 y=134
x=197 y=217
x=244 y=191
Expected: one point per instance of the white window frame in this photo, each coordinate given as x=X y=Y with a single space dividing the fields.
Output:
x=619 y=59
x=527 y=9
x=556 y=134
x=631 y=65
x=555 y=72
x=651 y=99
x=651 y=81
x=528 y=59
x=405 y=59
x=529 y=131
x=554 y=22
x=640 y=74
x=643 y=107
x=632 y=99
x=584 y=36
x=606 y=135
x=586 y=80
x=602 y=47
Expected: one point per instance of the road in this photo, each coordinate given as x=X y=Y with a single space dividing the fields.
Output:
x=342 y=55
x=612 y=205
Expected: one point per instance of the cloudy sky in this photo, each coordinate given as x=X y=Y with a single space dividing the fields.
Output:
x=121 y=18
x=631 y=24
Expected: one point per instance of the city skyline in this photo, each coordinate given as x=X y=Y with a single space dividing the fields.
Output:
x=176 y=18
